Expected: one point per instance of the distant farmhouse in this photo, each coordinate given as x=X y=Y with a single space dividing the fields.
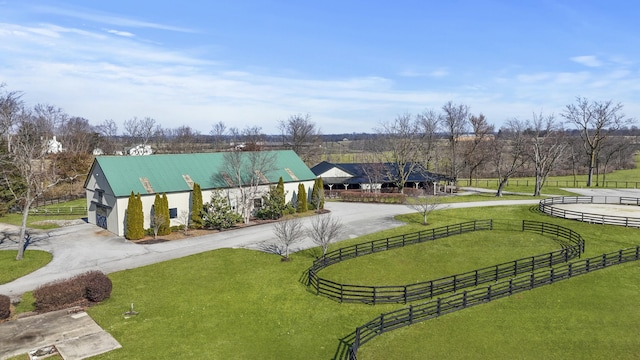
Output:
x=112 y=179
x=376 y=177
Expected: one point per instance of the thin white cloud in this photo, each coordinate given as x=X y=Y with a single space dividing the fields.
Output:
x=587 y=60
x=438 y=73
x=115 y=20
x=120 y=33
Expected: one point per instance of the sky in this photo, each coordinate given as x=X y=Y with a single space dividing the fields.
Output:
x=351 y=65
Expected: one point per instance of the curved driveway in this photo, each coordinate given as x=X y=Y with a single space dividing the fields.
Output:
x=80 y=248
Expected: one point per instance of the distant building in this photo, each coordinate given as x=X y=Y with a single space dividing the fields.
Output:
x=54 y=146
x=375 y=176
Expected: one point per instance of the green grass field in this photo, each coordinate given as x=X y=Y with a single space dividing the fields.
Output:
x=242 y=304
x=12 y=269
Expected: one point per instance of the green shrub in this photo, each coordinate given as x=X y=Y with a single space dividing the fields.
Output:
x=5 y=307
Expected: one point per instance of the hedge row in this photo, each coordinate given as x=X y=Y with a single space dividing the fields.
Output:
x=357 y=196
x=84 y=289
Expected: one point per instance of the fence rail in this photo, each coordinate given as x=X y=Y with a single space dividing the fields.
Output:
x=349 y=346
x=59 y=210
x=548 y=206
x=554 y=183
x=571 y=242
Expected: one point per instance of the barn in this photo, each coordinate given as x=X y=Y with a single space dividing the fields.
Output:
x=112 y=179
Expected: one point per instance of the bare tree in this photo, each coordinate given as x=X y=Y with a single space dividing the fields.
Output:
x=11 y=105
x=218 y=131
x=429 y=123
x=596 y=121
x=247 y=172
x=401 y=146
x=476 y=150
x=548 y=144
x=185 y=219
x=425 y=204
x=183 y=139
x=288 y=233
x=455 y=120
x=301 y=134
x=77 y=135
x=509 y=151
x=324 y=230
x=158 y=220
x=140 y=130
x=108 y=132
x=28 y=155
x=618 y=146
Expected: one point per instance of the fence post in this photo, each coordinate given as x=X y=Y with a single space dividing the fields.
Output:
x=587 y=264
x=532 y=280
x=381 y=323
x=604 y=260
x=438 y=306
x=410 y=314
x=620 y=256
x=405 y=294
x=489 y=293
x=551 y=276
x=374 y=294
x=570 y=269
x=464 y=299
x=454 y=283
x=637 y=252
x=511 y=286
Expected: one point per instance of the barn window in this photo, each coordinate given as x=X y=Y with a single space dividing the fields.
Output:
x=173 y=213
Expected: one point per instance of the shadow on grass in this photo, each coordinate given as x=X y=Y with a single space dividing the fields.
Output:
x=342 y=352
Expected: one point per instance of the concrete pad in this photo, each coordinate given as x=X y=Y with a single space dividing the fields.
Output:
x=75 y=333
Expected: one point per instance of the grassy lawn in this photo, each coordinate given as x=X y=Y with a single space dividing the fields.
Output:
x=554 y=184
x=242 y=304
x=16 y=219
x=12 y=269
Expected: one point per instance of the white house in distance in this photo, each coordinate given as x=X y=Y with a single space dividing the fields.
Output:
x=112 y=179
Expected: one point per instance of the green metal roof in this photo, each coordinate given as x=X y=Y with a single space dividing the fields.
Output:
x=172 y=172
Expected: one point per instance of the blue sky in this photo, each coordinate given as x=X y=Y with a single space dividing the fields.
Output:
x=350 y=64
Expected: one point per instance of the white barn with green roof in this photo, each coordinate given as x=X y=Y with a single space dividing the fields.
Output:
x=112 y=179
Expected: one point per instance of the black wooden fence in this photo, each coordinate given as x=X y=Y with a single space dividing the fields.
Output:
x=572 y=246
x=549 y=207
x=556 y=183
x=350 y=344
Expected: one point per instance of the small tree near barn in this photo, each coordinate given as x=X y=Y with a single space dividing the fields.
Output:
x=324 y=230
x=196 y=206
x=288 y=233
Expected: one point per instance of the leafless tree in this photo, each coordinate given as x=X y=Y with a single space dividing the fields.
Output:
x=218 y=131
x=455 y=122
x=185 y=220
x=77 y=135
x=140 y=130
x=616 y=146
x=476 y=150
x=108 y=132
x=401 y=146
x=302 y=135
x=28 y=155
x=429 y=123
x=158 y=220
x=425 y=204
x=548 y=143
x=596 y=121
x=247 y=172
x=253 y=138
x=324 y=230
x=509 y=151
x=183 y=139
x=11 y=105
x=288 y=233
